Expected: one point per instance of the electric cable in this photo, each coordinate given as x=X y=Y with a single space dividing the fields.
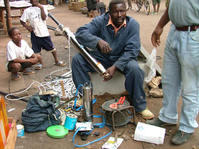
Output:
x=83 y=145
x=12 y=96
x=20 y=92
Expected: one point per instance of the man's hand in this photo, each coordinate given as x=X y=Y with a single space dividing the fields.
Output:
x=29 y=28
x=104 y=46
x=109 y=73
x=39 y=5
x=155 y=37
x=33 y=60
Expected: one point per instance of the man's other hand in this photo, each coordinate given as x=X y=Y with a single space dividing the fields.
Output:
x=155 y=37
x=109 y=73
x=104 y=46
x=29 y=28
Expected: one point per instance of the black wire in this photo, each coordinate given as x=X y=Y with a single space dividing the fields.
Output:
x=12 y=96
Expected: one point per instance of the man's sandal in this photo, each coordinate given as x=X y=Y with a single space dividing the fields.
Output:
x=60 y=63
x=37 y=66
x=28 y=71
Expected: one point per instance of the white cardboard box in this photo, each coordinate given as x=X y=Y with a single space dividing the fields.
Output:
x=149 y=133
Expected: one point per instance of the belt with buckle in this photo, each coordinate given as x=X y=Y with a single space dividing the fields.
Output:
x=186 y=28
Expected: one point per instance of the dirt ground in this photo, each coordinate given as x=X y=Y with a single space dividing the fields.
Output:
x=73 y=20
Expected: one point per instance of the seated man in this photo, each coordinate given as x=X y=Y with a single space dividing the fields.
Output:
x=115 y=42
x=20 y=56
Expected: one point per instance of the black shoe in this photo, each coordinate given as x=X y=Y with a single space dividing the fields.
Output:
x=180 y=137
x=158 y=122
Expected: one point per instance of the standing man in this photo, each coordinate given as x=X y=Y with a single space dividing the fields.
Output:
x=129 y=4
x=181 y=67
x=156 y=6
x=91 y=5
x=40 y=37
x=115 y=42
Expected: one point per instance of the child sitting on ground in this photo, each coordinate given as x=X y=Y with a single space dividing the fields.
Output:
x=20 y=56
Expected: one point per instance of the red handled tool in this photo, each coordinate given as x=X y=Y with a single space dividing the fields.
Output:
x=120 y=102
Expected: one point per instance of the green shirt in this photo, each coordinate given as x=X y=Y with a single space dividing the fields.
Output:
x=184 y=12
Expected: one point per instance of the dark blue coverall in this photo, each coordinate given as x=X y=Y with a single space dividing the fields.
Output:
x=125 y=46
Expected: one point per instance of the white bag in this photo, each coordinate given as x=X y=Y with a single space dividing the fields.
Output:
x=150 y=66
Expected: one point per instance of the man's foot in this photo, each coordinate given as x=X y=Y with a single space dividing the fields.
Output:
x=130 y=8
x=60 y=63
x=28 y=71
x=154 y=13
x=66 y=47
x=147 y=114
x=15 y=76
x=180 y=137
x=37 y=66
x=158 y=122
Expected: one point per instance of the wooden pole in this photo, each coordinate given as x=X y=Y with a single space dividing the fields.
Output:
x=8 y=14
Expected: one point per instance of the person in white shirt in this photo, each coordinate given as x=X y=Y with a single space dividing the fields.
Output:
x=40 y=37
x=20 y=56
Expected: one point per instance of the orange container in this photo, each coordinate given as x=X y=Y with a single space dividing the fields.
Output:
x=5 y=118
x=2 y=131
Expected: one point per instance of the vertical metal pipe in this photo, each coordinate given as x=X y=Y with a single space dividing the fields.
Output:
x=87 y=102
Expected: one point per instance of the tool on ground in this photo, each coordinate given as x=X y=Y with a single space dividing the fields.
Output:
x=119 y=116
x=120 y=102
x=62 y=88
x=83 y=50
x=87 y=102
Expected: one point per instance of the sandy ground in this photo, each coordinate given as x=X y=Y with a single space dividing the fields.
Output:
x=73 y=20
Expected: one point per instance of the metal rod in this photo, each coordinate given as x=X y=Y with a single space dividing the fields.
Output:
x=83 y=50
x=57 y=22
x=51 y=27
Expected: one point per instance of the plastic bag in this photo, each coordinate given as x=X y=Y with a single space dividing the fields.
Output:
x=150 y=64
x=40 y=113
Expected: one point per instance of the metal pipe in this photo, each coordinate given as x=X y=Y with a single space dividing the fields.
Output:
x=83 y=50
x=87 y=102
x=51 y=27
x=59 y=24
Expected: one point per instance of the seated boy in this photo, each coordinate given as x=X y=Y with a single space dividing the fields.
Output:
x=20 y=56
